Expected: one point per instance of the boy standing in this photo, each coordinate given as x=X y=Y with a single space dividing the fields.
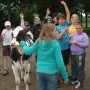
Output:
x=62 y=33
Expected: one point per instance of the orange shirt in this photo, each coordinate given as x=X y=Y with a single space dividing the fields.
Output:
x=72 y=30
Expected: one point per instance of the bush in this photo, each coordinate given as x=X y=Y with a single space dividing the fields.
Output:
x=87 y=30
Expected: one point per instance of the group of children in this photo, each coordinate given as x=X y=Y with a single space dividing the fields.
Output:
x=56 y=41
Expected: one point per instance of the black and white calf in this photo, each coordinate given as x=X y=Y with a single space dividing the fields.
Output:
x=20 y=61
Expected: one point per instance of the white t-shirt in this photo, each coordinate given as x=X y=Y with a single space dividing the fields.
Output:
x=7 y=34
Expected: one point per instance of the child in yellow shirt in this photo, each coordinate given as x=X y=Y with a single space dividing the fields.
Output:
x=72 y=27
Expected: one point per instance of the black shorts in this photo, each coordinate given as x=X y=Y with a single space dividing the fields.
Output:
x=66 y=56
x=6 y=50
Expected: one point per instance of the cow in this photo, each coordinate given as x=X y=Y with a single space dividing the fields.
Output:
x=20 y=61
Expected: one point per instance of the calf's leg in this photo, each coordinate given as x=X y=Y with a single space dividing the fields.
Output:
x=16 y=74
x=26 y=77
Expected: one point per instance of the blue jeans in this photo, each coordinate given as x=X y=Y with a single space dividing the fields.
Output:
x=47 y=81
x=78 y=65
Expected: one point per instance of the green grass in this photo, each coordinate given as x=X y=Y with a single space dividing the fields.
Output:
x=84 y=20
x=87 y=30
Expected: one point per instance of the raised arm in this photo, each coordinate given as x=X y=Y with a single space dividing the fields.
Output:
x=47 y=13
x=22 y=20
x=66 y=10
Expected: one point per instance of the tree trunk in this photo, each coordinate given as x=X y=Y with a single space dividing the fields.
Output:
x=81 y=14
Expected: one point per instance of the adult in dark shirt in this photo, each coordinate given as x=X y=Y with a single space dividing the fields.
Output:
x=36 y=28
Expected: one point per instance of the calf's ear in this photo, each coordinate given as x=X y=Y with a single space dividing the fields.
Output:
x=20 y=36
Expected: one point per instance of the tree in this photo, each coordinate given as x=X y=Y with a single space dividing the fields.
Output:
x=10 y=9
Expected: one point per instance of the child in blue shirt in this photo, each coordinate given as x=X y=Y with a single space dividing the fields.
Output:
x=63 y=34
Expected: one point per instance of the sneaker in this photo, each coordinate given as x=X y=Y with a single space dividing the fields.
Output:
x=79 y=85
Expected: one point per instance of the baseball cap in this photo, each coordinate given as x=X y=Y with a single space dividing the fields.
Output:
x=7 y=23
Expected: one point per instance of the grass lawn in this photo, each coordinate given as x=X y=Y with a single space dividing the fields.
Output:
x=87 y=30
x=84 y=20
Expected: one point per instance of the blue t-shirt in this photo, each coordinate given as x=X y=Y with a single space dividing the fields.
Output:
x=64 y=41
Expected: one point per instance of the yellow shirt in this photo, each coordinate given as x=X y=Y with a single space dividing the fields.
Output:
x=72 y=30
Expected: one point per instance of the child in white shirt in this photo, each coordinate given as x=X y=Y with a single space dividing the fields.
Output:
x=6 y=37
